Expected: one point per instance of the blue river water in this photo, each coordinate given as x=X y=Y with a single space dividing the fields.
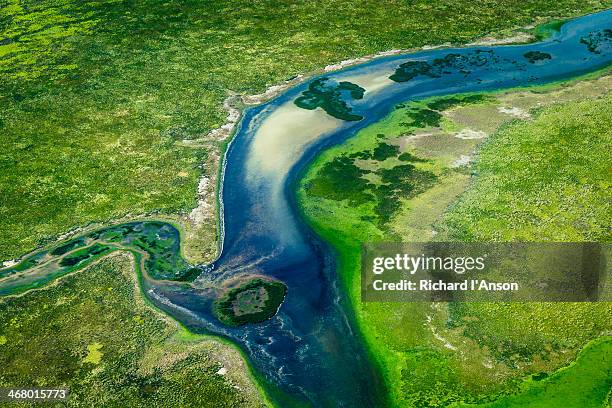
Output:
x=310 y=352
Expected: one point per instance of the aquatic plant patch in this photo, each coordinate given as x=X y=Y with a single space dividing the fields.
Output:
x=598 y=41
x=537 y=56
x=331 y=96
x=157 y=242
x=451 y=63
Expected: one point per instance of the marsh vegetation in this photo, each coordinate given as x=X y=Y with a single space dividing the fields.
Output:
x=538 y=176
x=92 y=332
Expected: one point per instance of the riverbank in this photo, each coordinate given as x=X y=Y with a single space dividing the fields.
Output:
x=209 y=209
x=421 y=340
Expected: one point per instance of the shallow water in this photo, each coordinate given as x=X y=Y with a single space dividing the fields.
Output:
x=309 y=352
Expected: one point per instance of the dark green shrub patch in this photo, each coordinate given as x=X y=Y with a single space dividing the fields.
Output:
x=341 y=179
x=330 y=96
x=252 y=302
x=536 y=56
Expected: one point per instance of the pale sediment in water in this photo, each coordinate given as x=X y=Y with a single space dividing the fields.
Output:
x=371 y=82
x=283 y=136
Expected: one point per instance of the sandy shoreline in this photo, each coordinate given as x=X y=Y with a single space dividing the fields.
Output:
x=234 y=104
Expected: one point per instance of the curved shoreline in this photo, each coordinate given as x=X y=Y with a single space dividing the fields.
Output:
x=236 y=105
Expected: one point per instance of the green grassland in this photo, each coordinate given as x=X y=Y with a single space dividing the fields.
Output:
x=560 y=184
x=98 y=97
x=586 y=383
x=93 y=333
x=542 y=177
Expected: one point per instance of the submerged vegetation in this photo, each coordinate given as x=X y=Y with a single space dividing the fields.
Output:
x=541 y=179
x=331 y=97
x=154 y=243
x=548 y=29
x=251 y=302
x=449 y=64
x=537 y=56
x=597 y=41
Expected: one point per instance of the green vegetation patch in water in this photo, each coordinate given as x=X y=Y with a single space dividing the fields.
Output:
x=85 y=254
x=598 y=41
x=440 y=66
x=331 y=96
x=67 y=247
x=537 y=56
x=252 y=302
x=156 y=241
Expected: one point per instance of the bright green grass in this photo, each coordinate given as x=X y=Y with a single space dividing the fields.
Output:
x=96 y=96
x=586 y=383
x=546 y=160
x=547 y=180
x=92 y=333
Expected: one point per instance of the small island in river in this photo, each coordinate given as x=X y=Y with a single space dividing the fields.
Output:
x=253 y=301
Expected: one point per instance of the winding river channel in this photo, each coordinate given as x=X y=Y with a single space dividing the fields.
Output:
x=309 y=352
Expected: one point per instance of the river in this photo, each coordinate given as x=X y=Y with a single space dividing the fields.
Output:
x=310 y=351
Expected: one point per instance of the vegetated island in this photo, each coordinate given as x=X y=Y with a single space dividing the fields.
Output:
x=253 y=301
x=536 y=56
x=329 y=95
